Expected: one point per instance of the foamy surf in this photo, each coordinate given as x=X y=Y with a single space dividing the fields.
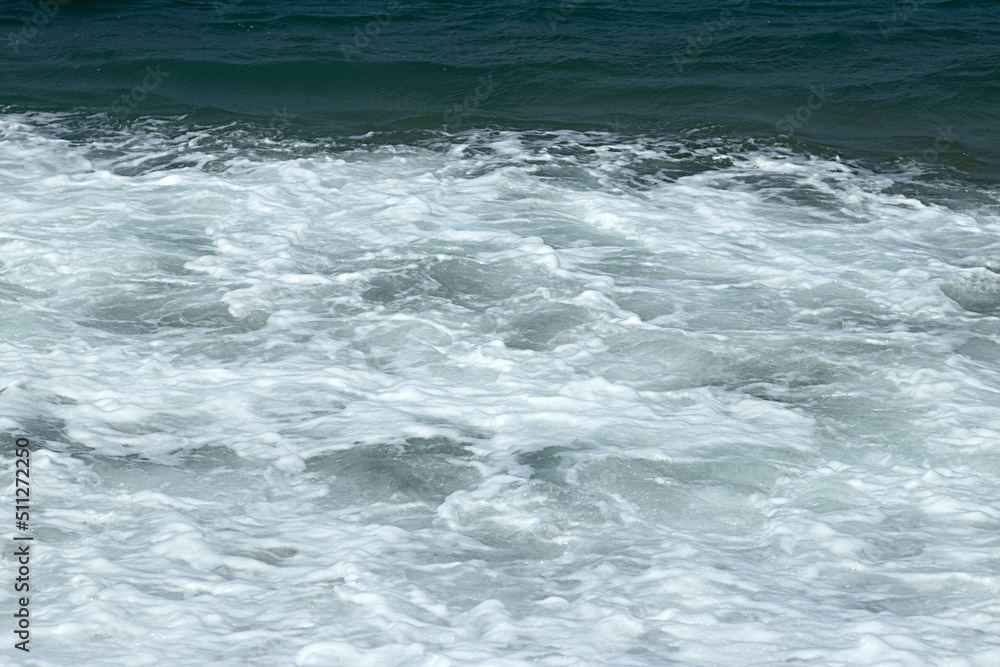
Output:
x=498 y=398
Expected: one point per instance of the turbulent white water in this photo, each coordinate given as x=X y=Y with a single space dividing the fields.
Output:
x=502 y=399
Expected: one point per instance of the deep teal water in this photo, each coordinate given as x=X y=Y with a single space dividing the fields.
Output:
x=878 y=81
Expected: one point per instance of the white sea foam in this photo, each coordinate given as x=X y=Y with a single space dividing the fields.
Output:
x=502 y=399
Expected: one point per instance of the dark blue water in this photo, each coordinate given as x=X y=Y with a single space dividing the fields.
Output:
x=869 y=80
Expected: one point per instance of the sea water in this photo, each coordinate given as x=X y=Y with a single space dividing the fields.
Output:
x=487 y=372
x=500 y=398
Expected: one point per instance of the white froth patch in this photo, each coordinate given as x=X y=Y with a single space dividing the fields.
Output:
x=516 y=399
